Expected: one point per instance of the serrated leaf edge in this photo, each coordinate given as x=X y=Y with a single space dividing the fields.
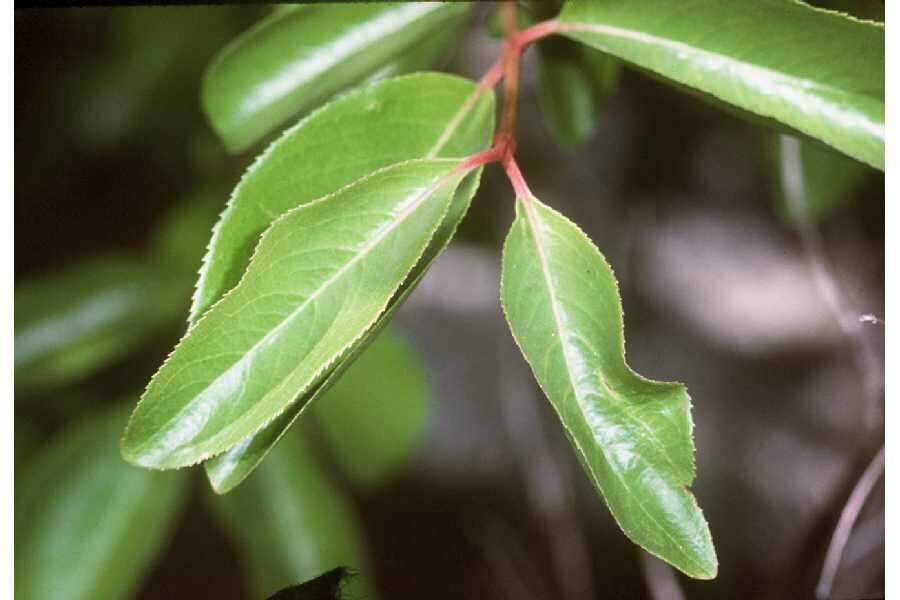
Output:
x=437 y=184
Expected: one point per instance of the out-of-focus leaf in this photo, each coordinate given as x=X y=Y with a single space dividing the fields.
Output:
x=427 y=54
x=88 y=525
x=574 y=83
x=769 y=57
x=295 y=60
x=25 y=440
x=179 y=242
x=825 y=179
x=230 y=468
x=150 y=55
x=292 y=524
x=632 y=435
x=400 y=119
x=320 y=278
x=375 y=415
x=77 y=320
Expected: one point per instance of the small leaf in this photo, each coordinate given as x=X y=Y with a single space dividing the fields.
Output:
x=75 y=321
x=230 y=468
x=88 y=525
x=574 y=83
x=327 y=586
x=400 y=119
x=320 y=278
x=291 y=524
x=375 y=415
x=813 y=175
x=295 y=60
x=768 y=57
x=632 y=435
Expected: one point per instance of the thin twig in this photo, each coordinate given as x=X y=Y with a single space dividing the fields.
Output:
x=660 y=578
x=511 y=54
x=547 y=486
x=851 y=511
x=848 y=319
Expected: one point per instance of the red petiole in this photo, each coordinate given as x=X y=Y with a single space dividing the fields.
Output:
x=507 y=67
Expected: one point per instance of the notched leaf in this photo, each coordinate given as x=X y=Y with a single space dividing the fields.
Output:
x=633 y=435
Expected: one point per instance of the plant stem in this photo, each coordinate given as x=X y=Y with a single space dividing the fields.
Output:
x=851 y=511
x=510 y=59
x=506 y=68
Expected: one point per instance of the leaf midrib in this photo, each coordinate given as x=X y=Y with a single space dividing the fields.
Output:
x=802 y=85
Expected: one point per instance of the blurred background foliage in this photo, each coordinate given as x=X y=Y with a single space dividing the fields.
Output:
x=435 y=468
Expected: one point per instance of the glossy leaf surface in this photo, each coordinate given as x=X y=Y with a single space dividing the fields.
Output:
x=291 y=524
x=80 y=319
x=392 y=121
x=320 y=277
x=230 y=468
x=819 y=72
x=88 y=525
x=632 y=435
x=297 y=59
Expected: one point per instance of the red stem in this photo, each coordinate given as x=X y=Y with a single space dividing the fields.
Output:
x=507 y=67
x=515 y=177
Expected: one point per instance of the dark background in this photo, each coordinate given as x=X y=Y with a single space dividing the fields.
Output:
x=717 y=292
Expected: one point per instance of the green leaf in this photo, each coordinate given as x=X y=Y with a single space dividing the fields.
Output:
x=632 y=435
x=320 y=278
x=769 y=57
x=295 y=60
x=375 y=415
x=813 y=175
x=574 y=83
x=85 y=316
x=230 y=468
x=427 y=54
x=87 y=524
x=178 y=243
x=291 y=524
x=395 y=120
